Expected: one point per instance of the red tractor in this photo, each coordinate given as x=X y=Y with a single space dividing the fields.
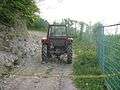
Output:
x=57 y=43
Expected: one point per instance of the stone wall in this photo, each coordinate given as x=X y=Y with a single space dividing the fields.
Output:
x=17 y=46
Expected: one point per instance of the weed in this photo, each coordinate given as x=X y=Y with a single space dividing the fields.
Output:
x=86 y=66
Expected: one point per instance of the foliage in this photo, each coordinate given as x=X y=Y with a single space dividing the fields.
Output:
x=86 y=68
x=95 y=27
x=39 y=24
x=10 y=10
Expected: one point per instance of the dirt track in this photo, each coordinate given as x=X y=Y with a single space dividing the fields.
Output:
x=51 y=76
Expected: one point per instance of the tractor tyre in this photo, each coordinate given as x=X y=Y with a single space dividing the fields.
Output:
x=69 y=54
x=48 y=52
x=44 y=53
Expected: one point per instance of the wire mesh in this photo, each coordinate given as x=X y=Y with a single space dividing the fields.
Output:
x=108 y=44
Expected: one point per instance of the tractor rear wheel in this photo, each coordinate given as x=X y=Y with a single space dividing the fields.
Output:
x=69 y=54
x=44 y=53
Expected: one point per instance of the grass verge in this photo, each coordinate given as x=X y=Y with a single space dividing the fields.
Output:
x=87 y=73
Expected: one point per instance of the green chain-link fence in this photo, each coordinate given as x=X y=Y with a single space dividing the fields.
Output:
x=108 y=44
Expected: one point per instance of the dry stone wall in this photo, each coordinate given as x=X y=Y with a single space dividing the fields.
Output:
x=18 y=47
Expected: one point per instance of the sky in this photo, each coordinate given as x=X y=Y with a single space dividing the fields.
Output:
x=105 y=11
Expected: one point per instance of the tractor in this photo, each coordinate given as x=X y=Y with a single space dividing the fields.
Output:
x=57 y=43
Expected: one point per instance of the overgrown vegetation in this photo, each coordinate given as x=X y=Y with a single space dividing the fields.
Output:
x=11 y=10
x=88 y=75
x=39 y=24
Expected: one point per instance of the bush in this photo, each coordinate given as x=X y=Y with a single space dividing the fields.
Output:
x=12 y=10
x=39 y=24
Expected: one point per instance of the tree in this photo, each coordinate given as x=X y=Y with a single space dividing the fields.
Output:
x=11 y=10
x=81 y=29
x=96 y=29
x=39 y=23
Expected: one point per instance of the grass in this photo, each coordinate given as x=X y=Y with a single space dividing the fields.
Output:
x=88 y=75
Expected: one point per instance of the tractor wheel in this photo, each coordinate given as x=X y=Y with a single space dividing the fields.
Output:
x=69 y=54
x=48 y=52
x=44 y=53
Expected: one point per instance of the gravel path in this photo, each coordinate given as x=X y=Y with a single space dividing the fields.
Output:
x=50 y=76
